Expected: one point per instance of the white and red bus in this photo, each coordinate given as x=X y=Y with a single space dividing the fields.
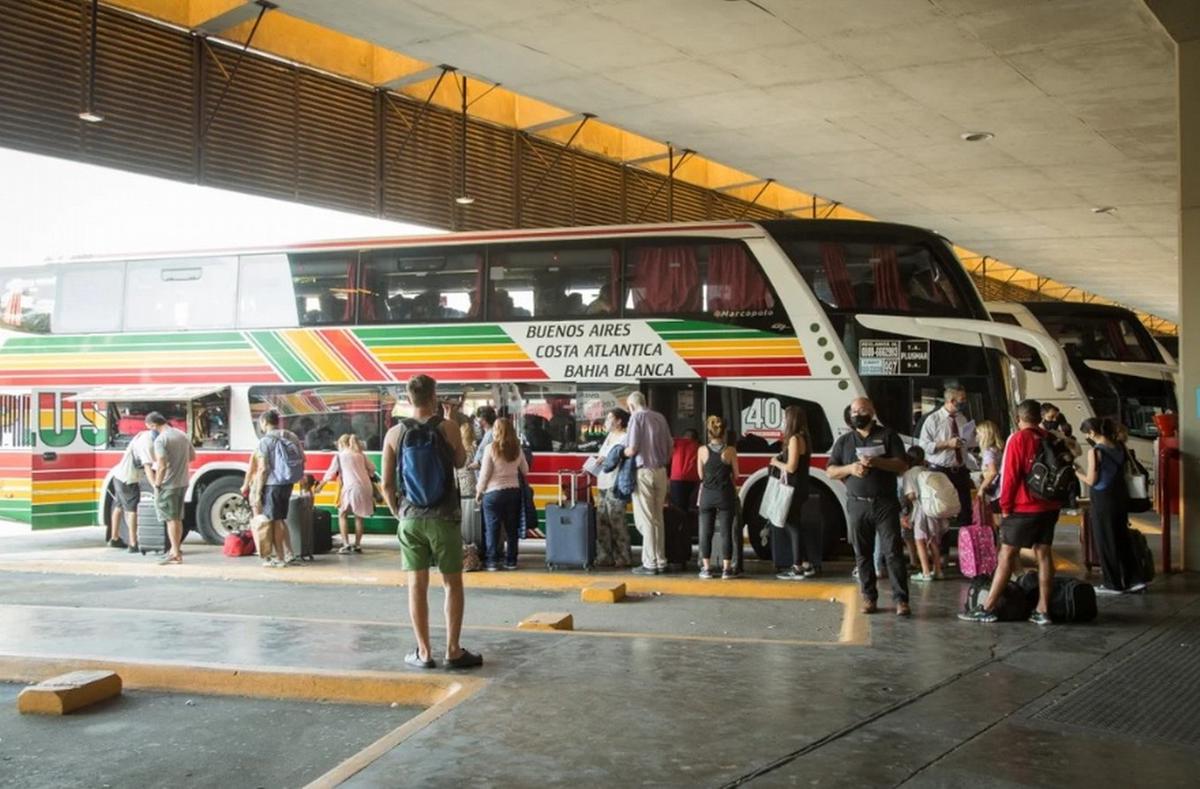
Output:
x=740 y=319
x=1114 y=366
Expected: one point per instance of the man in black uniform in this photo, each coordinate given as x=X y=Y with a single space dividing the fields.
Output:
x=868 y=459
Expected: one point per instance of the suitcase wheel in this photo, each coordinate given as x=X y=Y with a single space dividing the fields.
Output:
x=551 y=567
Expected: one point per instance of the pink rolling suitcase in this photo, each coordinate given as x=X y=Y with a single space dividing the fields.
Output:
x=977 y=546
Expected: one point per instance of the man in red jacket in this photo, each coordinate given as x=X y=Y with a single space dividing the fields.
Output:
x=1028 y=520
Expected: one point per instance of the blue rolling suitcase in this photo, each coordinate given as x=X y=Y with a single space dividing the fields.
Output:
x=570 y=531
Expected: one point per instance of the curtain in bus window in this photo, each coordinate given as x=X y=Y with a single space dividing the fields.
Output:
x=735 y=282
x=885 y=269
x=833 y=258
x=666 y=279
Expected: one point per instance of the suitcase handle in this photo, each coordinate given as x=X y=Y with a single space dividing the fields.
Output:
x=573 y=476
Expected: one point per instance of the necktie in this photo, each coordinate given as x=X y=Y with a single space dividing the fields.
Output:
x=958 y=454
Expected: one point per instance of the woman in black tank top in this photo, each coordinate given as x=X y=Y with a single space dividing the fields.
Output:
x=717 y=464
x=794 y=460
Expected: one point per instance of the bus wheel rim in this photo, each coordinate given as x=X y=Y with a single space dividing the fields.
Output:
x=231 y=513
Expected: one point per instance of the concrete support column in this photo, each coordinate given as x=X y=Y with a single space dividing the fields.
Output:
x=1181 y=18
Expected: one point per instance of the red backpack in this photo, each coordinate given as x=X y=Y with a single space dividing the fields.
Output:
x=239 y=544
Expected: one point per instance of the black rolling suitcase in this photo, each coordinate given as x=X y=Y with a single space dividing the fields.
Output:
x=1141 y=551
x=151 y=532
x=322 y=531
x=570 y=531
x=678 y=542
x=300 y=525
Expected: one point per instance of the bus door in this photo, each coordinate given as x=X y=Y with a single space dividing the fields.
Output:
x=681 y=402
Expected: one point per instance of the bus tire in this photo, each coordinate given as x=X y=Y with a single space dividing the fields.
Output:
x=756 y=526
x=221 y=509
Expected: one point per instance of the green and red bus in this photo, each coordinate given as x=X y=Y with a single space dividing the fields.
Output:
x=737 y=318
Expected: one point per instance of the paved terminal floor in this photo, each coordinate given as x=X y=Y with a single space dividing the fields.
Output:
x=689 y=683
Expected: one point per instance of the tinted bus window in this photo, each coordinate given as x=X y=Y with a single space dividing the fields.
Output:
x=552 y=282
x=1100 y=337
x=421 y=285
x=876 y=277
x=758 y=418
x=704 y=279
x=323 y=286
x=1026 y=355
x=27 y=299
x=319 y=415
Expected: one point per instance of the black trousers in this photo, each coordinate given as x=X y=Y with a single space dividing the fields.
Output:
x=960 y=478
x=882 y=516
x=1109 y=520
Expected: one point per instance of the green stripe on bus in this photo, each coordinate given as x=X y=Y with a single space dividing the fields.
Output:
x=707 y=327
x=435 y=342
x=428 y=333
x=281 y=357
x=15 y=510
x=62 y=521
x=64 y=507
x=113 y=342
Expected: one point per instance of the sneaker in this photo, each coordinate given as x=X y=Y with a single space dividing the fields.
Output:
x=981 y=615
x=289 y=558
x=1038 y=618
x=810 y=571
x=292 y=560
x=939 y=576
x=791 y=574
x=1138 y=587
x=117 y=543
x=345 y=549
x=921 y=577
x=358 y=549
x=134 y=549
x=510 y=565
x=491 y=568
x=727 y=573
x=643 y=570
x=1106 y=590
x=705 y=572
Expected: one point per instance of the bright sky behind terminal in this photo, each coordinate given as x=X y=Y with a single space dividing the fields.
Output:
x=51 y=208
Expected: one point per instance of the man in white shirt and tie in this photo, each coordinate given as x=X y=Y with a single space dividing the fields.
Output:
x=945 y=448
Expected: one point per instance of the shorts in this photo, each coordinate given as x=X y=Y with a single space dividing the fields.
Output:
x=275 y=501
x=168 y=504
x=927 y=528
x=426 y=542
x=127 y=496
x=1027 y=529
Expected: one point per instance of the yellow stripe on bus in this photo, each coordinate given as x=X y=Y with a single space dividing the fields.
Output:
x=65 y=486
x=318 y=356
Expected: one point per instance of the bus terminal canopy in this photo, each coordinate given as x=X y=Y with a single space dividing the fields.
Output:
x=166 y=393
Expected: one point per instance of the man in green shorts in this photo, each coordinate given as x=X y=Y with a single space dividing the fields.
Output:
x=420 y=454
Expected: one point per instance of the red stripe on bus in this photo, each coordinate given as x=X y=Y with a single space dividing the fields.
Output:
x=354 y=354
x=743 y=371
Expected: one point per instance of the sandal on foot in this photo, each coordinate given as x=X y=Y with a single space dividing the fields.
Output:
x=414 y=659
x=465 y=660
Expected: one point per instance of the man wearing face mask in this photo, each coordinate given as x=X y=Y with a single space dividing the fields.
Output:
x=868 y=459
x=945 y=450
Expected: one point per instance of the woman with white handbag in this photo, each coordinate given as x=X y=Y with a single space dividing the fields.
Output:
x=792 y=464
x=1109 y=516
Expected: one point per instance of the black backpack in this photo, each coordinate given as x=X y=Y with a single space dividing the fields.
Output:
x=1013 y=605
x=1052 y=475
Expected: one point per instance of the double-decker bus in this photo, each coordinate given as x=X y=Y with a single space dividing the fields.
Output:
x=1115 y=367
x=741 y=319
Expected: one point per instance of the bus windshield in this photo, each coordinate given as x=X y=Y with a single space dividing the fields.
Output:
x=1111 y=337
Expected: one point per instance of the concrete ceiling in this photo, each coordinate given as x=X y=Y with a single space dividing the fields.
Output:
x=863 y=101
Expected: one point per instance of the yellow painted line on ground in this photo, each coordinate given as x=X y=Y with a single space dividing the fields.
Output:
x=438 y=693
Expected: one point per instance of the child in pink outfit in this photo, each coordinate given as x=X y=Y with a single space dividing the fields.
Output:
x=356 y=494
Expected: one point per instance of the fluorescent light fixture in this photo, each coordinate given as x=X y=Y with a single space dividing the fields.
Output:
x=464 y=200
x=976 y=136
x=90 y=116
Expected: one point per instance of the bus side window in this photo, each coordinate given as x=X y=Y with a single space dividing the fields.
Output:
x=27 y=299
x=1027 y=356
x=719 y=280
x=265 y=296
x=323 y=286
x=183 y=293
x=319 y=415
x=550 y=282
x=758 y=418
x=90 y=298
x=431 y=285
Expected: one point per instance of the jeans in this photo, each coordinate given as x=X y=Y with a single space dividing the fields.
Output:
x=867 y=520
x=502 y=510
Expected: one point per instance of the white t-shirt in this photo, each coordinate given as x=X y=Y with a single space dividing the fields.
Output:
x=606 y=479
x=141 y=449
